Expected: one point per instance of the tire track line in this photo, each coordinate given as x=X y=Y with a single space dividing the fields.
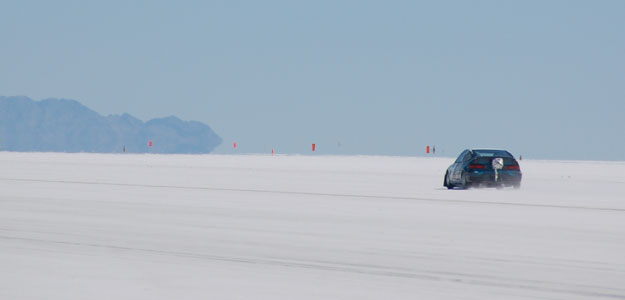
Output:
x=313 y=194
x=552 y=287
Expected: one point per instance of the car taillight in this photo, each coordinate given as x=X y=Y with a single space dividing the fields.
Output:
x=477 y=166
x=512 y=168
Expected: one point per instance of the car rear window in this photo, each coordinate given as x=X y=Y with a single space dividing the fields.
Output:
x=492 y=153
x=510 y=162
x=483 y=160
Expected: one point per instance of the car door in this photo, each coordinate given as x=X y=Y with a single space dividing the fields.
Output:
x=456 y=173
x=465 y=161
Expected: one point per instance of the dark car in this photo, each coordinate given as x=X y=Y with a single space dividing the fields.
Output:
x=483 y=167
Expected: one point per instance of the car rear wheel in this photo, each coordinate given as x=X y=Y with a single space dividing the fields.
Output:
x=465 y=183
x=446 y=181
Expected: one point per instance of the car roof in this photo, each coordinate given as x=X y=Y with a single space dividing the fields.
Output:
x=487 y=149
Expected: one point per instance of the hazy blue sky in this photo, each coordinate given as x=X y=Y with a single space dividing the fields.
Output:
x=545 y=79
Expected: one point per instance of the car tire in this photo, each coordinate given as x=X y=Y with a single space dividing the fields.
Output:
x=465 y=184
x=446 y=183
x=516 y=186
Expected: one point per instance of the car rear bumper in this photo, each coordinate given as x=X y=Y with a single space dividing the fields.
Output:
x=488 y=177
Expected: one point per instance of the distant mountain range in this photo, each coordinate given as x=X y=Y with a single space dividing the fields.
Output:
x=59 y=125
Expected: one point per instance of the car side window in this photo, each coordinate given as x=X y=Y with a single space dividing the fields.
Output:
x=467 y=156
x=462 y=156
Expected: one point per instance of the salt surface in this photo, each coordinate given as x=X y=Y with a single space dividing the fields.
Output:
x=94 y=226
